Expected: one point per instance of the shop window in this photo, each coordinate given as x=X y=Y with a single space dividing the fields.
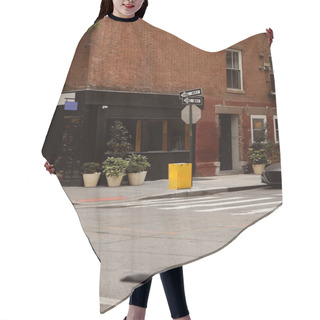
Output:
x=129 y=124
x=151 y=139
x=67 y=161
x=234 y=72
x=178 y=135
x=156 y=134
x=258 y=128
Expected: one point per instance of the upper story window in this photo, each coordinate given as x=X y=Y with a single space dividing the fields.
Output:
x=234 y=69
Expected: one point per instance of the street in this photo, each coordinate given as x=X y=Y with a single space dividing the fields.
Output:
x=145 y=237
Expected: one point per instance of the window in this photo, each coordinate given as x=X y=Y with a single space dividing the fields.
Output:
x=178 y=134
x=234 y=73
x=155 y=134
x=276 y=129
x=258 y=128
x=272 y=83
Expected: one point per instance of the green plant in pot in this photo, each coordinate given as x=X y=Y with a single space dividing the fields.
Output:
x=91 y=174
x=137 y=169
x=114 y=169
x=258 y=158
x=119 y=144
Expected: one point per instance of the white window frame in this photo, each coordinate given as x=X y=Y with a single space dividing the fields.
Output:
x=264 y=117
x=240 y=68
x=275 y=118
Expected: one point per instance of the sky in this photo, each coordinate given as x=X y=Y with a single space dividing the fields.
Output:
x=48 y=270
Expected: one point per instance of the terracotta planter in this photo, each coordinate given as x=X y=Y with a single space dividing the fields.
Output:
x=258 y=168
x=91 y=179
x=114 y=181
x=137 y=179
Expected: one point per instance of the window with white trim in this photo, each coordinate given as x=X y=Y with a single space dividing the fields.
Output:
x=276 y=129
x=234 y=69
x=258 y=128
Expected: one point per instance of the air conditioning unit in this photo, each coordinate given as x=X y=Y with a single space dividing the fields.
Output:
x=267 y=66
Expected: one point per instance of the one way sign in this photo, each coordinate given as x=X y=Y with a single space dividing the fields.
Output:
x=194 y=100
x=190 y=93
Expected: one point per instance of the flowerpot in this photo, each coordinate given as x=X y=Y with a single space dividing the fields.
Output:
x=137 y=179
x=258 y=168
x=91 y=179
x=114 y=181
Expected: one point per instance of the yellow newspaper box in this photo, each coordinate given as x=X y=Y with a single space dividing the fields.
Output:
x=180 y=175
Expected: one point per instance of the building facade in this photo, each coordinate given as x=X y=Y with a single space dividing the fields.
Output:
x=134 y=73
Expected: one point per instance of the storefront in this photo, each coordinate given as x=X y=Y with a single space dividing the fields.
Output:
x=152 y=120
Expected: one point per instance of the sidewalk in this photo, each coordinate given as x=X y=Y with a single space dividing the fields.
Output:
x=159 y=189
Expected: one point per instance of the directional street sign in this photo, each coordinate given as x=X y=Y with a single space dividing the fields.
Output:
x=189 y=93
x=193 y=100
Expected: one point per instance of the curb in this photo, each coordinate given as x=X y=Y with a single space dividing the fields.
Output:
x=202 y=192
x=180 y=194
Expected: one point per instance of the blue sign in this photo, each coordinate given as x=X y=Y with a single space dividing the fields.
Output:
x=71 y=106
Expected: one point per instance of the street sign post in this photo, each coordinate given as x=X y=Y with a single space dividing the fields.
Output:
x=191 y=113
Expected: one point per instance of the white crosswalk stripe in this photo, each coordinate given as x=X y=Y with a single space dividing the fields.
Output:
x=215 y=204
x=256 y=211
x=190 y=204
x=237 y=207
x=156 y=202
x=209 y=203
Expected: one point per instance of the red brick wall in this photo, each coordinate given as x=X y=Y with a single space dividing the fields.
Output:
x=138 y=57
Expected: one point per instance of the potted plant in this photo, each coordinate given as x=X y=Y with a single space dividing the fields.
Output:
x=119 y=144
x=115 y=170
x=137 y=169
x=258 y=158
x=91 y=174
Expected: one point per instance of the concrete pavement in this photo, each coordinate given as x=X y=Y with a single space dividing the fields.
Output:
x=135 y=240
x=159 y=189
x=138 y=239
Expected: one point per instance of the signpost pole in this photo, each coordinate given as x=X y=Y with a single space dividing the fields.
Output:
x=193 y=99
x=191 y=136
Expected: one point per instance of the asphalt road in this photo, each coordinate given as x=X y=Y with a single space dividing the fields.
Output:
x=137 y=239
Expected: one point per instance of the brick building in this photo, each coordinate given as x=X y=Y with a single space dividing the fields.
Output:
x=134 y=72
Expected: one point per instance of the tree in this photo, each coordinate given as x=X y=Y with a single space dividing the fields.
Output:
x=119 y=144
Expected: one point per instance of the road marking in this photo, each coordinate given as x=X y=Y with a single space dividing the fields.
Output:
x=102 y=199
x=214 y=204
x=253 y=212
x=198 y=203
x=157 y=201
x=237 y=207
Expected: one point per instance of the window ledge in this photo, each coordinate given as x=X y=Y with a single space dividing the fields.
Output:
x=236 y=91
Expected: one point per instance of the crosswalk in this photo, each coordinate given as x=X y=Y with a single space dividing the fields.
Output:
x=234 y=205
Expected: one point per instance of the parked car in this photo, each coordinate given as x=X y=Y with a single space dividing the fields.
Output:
x=272 y=175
